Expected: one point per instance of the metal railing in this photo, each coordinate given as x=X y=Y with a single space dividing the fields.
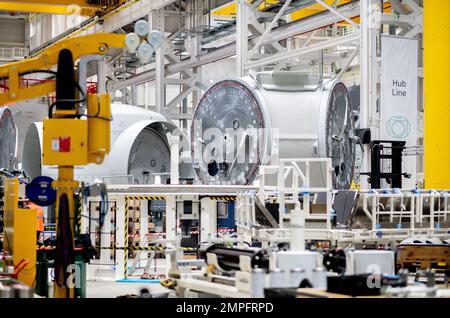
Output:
x=13 y=53
x=293 y=182
x=419 y=209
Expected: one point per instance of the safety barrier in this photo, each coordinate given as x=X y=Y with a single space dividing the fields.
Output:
x=127 y=235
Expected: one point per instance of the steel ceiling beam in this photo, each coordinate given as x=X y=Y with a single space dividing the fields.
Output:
x=292 y=29
x=303 y=50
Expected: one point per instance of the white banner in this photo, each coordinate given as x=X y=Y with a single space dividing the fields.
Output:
x=399 y=97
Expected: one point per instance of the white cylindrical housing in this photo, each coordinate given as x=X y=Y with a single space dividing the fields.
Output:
x=140 y=150
x=295 y=117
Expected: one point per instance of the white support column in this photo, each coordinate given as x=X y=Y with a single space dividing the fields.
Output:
x=208 y=217
x=158 y=23
x=252 y=222
x=84 y=218
x=196 y=94
x=374 y=212
x=91 y=233
x=241 y=37
x=297 y=229
x=124 y=95
x=120 y=235
x=329 y=185
x=146 y=96
x=262 y=183
x=101 y=76
x=105 y=253
x=134 y=95
x=171 y=218
x=306 y=197
x=174 y=159
x=143 y=226
x=369 y=72
x=281 y=198
x=247 y=220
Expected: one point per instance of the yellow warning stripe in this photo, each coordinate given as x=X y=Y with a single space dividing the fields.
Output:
x=142 y=198
x=80 y=200
x=134 y=248
x=227 y=198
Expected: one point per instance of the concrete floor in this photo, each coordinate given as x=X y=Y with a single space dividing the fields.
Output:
x=112 y=289
x=102 y=284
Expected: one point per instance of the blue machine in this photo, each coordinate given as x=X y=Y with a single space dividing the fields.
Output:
x=225 y=215
x=40 y=191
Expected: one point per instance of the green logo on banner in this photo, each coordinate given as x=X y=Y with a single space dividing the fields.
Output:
x=398 y=127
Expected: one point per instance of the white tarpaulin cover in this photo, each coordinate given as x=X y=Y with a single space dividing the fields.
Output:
x=399 y=98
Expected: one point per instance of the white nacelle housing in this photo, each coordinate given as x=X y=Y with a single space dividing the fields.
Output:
x=294 y=116
x=140 y=150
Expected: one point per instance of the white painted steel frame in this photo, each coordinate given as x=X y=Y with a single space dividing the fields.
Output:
x=172 y=193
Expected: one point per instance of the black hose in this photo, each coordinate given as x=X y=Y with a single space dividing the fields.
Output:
x=64 y=251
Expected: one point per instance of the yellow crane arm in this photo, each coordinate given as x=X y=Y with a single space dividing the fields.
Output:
x=85 y=45
x=81 y=7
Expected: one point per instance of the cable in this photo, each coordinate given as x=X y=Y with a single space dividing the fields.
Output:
x=50 y=111
x=74 y=101
x=82 y=100
x=98 y=117
x=97 y=114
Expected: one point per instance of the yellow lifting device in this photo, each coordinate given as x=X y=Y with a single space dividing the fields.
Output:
x=81 y=7
x=71 y=137
x=19 y=235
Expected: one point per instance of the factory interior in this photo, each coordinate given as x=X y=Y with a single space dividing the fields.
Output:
x=224 y=149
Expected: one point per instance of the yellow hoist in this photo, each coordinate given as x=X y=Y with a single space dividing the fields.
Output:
x=74 y=134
